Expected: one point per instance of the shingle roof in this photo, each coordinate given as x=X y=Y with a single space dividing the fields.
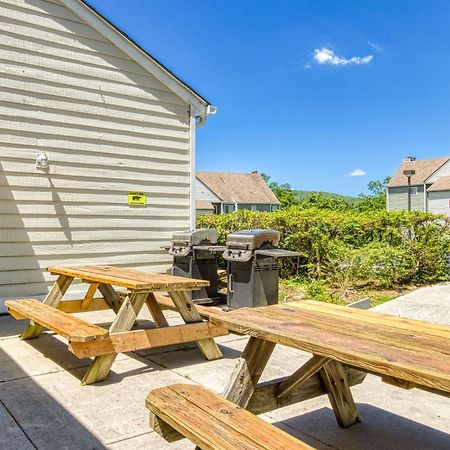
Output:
x=442 y=184
x=424 y=169
x=247 y=188
x=203 y=204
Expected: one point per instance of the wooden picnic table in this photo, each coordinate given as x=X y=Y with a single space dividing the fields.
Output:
x=89 y=340
x=346 y=344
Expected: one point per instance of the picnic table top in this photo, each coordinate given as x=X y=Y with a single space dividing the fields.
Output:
x=129 y=278
x=405 y=349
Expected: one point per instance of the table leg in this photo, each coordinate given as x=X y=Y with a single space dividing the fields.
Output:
x=156 y=311
x=190 y=314
x=53 y=298
x=335 y=382
x=126 y=316
x=111 y=296
x=248 y=371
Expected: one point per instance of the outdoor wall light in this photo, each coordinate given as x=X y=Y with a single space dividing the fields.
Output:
x=41 y=161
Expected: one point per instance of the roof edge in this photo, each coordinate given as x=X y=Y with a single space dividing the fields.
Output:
x=121 y=40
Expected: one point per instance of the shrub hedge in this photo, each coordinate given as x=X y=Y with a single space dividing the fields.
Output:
x=344 y=247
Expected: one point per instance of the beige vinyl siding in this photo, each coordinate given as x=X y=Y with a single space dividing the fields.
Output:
x=107 y=126
x=439 y=202
x=398 y=198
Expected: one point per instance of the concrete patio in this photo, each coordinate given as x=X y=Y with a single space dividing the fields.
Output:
x=43 y=405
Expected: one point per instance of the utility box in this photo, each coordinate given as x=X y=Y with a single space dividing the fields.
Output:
x=195 y=255
x=253 y=273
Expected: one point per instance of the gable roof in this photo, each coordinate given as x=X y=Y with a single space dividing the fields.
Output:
x=442 y=184
x=102 y=25
x=249 y=188
x=203 y=204
x=424 y=169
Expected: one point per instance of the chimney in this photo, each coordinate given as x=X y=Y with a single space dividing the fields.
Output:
x=410 y=158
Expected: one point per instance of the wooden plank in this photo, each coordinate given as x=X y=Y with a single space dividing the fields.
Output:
x=213 y=423
x=264 y=398
x=52 y=299
x=89 y=296
x=205 y=311
x=369 y=329
x=156 y=311
x=74 y=306
x=66 y=325
x=111 y=297
x=129 y=278
x=189 y=313
x=379 y=319
x=420 y=367
x=126 y=316
x=335 y=382
x=308 y=369
x=248 y=371
x=128 y=341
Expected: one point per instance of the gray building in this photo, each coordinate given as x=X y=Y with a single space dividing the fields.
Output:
x=430 y=186
x=224 y=192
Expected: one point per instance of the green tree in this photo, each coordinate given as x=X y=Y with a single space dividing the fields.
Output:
x=284 y=192
x=376 y=200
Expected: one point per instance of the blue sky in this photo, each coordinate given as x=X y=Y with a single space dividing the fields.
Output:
x=309 y=92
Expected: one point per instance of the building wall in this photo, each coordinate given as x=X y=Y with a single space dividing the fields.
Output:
x=443 y=171
x=398 y=198
x=258 y=207
x=107 y=126
x=439 y=202
x=205 y=211
x=202 y=192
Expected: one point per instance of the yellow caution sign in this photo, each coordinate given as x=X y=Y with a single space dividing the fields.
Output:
x=137 y=198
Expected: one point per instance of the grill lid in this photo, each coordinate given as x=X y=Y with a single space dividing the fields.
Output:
x=183 y=242
x=253 y=239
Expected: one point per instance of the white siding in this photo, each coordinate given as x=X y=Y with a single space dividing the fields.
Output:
x=202 y=192
x=443 y=171
x=439 y=202
x=107 y=126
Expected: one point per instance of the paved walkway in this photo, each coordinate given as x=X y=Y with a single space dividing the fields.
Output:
x=43 y=405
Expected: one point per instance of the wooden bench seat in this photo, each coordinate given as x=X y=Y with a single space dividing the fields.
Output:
x=72 y=328
x=212 y=422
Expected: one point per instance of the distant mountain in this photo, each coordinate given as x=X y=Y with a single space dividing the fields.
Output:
x=348 y=198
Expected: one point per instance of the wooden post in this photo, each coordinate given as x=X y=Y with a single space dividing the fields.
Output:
x=53 y=298
x=111 y=296
x=156 y=311
x=126 y=316
x=248 y=371
x=189 y=313
x=335 y=382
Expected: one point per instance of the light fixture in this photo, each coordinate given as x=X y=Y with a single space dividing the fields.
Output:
x=41 y=161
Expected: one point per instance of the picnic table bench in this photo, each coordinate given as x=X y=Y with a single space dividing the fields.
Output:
x=212 y=422
x=89 y=340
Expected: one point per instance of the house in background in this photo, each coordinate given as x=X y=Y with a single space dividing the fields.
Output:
x=430 y=186
x=114 y=124
x=224 y=192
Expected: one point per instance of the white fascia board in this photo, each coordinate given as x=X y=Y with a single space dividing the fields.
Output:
x=87 y=14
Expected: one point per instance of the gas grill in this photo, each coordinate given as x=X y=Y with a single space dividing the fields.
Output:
x=195 y=256
x=253 y=267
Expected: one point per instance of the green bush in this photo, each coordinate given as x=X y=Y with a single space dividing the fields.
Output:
x=345 y=247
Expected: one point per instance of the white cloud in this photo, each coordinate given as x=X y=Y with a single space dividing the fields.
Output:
x=327 y=56
x=374 y=46
x=357 y=173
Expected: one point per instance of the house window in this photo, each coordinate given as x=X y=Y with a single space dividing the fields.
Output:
x=253 y=207
x=414 y=190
